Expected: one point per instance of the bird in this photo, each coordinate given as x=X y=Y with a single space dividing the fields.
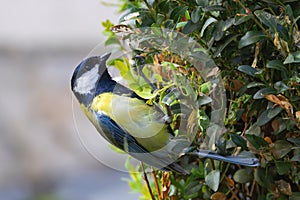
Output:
x=126 y=121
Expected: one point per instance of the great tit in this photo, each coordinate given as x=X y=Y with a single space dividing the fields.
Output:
x=126 y=121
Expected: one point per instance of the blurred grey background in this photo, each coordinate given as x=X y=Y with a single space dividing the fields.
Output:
x=41 y=154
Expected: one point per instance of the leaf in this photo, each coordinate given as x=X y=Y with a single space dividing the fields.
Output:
x=195 y=16
x=260 y=94
x=190 y=27
x=243 y=175
x=218 y=196
x=241 y=19
x=178 y=12
x=181 y=24
x=282 y=102
x=239 y=141
x=280 y=148
x=213 y=8
x=224 y=44
x=213 y=180
x=293 y=57
x=283 y=32
x=267 y=19
x=251 y=37
x=268 y=115
x=282 y=167
x=280 y=87
x=204 y=100
x=277 y=64
x=284 y=187
x=254 y=84
x=248 y=70
x=256 y=141
x=208 y=22
x=221 y=27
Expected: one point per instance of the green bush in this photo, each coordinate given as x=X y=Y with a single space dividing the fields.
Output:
x=255 y=44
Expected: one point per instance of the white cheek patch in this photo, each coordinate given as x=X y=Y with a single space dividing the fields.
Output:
x=87 y=81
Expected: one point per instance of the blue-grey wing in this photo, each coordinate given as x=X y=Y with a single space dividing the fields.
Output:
x=118 y=136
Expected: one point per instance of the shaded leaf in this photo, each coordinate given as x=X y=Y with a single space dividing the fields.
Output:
x=293 y=57
x=267 y=115
x=241 y=19
x=248 y=70
x=208 y=22
x=251 y=37
x=190 y=27
x=195 y=16
x=280 y=148
x=283 y=167
x=277 y=64
x=212 y=180
x=260 y=94
x=267 y=19
x=243 y=175
x=280 y=87
x=256 y=141
x=239 y=141
x=224 y=44
x=254 y=84
x=178 y=12
x=213 y=8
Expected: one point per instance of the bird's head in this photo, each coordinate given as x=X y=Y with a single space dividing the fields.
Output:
x=86 y=77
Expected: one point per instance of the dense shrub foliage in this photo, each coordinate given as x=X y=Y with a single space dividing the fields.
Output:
x=256 y=46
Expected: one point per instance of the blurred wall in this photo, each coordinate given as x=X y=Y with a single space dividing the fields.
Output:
x=41 y=155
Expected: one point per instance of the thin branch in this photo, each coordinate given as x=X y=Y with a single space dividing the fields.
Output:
x=147 y=182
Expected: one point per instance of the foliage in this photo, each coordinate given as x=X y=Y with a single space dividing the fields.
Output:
x=256 y=45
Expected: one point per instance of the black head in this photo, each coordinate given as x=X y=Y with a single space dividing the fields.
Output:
x=86 y=77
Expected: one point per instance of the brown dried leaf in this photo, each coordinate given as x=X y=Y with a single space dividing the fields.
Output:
x=236 y=85
x=275 y=124
x=298 y=116
x=229 y=181
x=218 y=196
x=284 y=187
x=268 y=140
x=282 y=102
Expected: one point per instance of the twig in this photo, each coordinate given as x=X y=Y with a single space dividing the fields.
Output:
x=156 y=185
x=147 y=182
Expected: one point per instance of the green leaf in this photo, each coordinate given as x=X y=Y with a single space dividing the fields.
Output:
x=208 y=22
x=178 y=12
x=280 y=148
x=256 y=141
x=213 y=180
x=254 y=84
x=267 y=19
x=241 y=19
x=292 y=58
x=260 y=94
x=283 y=167
x=195 y=16
x=221 y=27
x=190 y=27
x=296 y=141
x=277 y=64
x=243 y=175
x=224 y=44
x=267 y=115
x=181 y=24
x=280 y=86
x=283 y=32
x=213 y=8
x=239 y=141
x=251 y=37
x=248 y=70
